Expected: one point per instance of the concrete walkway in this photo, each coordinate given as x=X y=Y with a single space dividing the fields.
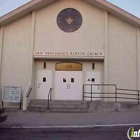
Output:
x=30 y=119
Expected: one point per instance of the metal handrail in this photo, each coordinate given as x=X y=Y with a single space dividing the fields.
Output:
x=127 y=89
x=117 y=95
x=138 y=93
x=29 y=91
x=49 y=98
x=99 y=85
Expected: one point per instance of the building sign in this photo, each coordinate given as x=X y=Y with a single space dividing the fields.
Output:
x=69 y=66
x=70 y=54
x=12 y=94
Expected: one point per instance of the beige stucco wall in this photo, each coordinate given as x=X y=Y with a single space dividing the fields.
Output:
x=16 y=53
x=1 y=37
x=122 y=65
x=90 y=37
x=138 y=50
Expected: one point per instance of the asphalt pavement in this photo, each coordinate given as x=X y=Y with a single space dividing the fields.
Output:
x=40 y=120
x=97 y=133
x=69 y=126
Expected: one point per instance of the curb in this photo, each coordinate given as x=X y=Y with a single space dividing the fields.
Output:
x=69 y=127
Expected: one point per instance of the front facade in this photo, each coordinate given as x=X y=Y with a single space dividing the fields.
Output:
x=46 y=48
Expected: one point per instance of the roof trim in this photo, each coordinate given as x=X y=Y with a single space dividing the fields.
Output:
x=24 y=10
x=36 y=4
x=114 y=10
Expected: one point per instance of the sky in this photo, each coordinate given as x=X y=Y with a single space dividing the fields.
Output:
x=131 y=6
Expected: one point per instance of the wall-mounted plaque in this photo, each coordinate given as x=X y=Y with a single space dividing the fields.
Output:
x=12 y=94
x=69 y=20
x=68 y=66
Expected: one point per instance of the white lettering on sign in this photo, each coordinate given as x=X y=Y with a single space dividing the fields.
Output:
x=12 y=94
x=84 y=54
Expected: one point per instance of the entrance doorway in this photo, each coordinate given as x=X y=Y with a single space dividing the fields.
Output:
x=68 y=85
x=44 y=83
x=93 y=78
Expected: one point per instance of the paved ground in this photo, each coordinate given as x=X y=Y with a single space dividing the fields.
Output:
x=99 y=133
x=29 y=119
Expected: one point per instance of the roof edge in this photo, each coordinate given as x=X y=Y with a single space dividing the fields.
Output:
x=116 y=11
x=36 y=4
x=23 y=10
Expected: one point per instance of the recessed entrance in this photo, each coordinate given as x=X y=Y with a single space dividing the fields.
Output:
x=68 y=85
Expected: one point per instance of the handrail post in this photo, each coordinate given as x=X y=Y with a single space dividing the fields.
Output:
x=48 y=100
x=138 y=96
x=91 y=93
x=83 y=91
x=50 y=94
x=116 y=94
x=48 y=105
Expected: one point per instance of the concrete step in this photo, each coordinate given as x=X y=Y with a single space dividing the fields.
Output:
x=68 y=110
x=68 y=105
x=56 y=102
x=44 y=109
x=57 y=106
x=67 y=101
x=79 y=106
x=37 y=109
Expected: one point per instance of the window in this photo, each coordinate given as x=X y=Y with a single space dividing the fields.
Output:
x=93 y=66
x=72 y=80
x=64 y=80
x=69 y=20
x=44 y=79
x=44 y=65
x=93 y=79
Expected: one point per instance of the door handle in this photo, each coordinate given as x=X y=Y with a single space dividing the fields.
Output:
x=39 y=85
x=69 y=86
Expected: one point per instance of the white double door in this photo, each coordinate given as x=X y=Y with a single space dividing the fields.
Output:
x=44 y=83
x=68 y=85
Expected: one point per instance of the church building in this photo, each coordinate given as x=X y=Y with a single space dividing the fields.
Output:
x=64 y=44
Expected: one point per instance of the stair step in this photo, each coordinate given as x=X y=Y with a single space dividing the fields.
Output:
x=44 y=109
x=56 y=101
x=67 y=101
x=37 y=109
x=65 y=104
x=68 y=110
x=80 y=106
x=69 y=106
x=58 y=106
x=63 y=107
